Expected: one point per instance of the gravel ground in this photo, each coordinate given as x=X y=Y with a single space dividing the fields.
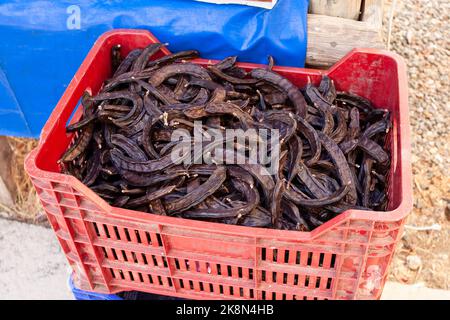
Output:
x=420 y=34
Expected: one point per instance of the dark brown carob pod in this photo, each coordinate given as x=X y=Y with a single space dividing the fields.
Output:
x=331 y=158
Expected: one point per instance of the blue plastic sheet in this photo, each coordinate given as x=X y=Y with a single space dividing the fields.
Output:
x=44 y=42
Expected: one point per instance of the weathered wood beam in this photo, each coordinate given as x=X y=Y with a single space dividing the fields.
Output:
x=331 y=38
x=348 y=9
x=7 y=185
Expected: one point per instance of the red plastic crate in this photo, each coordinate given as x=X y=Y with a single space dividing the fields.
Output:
x=112 y=249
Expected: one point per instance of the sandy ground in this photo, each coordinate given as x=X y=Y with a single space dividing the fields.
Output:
x=32 y=265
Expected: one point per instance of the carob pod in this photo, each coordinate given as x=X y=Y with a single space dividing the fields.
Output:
x=332 y=154
x=199 y=194
x=291 y=91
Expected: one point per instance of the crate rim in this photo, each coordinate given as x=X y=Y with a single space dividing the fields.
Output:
x=401 y=211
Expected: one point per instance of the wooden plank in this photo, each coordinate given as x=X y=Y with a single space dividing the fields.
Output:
x=331 y=38
x=7 y=185
x=348 y=9
x=372 y=13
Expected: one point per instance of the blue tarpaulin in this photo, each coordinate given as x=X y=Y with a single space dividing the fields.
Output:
x=44 y=42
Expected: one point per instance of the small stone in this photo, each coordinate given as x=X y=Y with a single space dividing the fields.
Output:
x=413 y=262
x=409 y=36
x=443 y=256
x=438 y=159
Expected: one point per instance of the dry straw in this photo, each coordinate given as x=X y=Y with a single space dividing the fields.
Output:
x=26 y=206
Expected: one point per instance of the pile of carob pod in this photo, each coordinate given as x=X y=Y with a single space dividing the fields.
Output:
x=332 y=156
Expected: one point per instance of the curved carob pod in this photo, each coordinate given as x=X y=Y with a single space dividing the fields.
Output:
x=133 y=112
x=327 y=89
x=289 y=124
x=314 y=186
x=275 y=203
x=315 y=98
x=373 y=149
x=140 y=180
x=226 y=63
x=115 y=57
x=342 y=167
x=126 y=163
x=80 y=144
x=141 y=62
x=341 y=129
x=218 y=73
x=250 y=194
x=312 y=136
x=292 y=212
x=199 y=194
x=126 y=63
x=146 y=142
x=327 y=122
x=93 y=168
x=182 y=55
x=353 y=100
x=150 y=196
x=155 y=92
x=81 y=124
x=129 y=147
x=331 y=154
x=295 y=157
x=354 y=128
x=291 y=91
x=176 y=69
x=306 y=202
